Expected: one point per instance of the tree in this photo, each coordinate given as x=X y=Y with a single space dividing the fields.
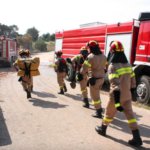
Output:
x=9 y=31
x=45 y=37
x=52 y=37
x=25 y=41
x=41 y=45
x=34 y=33
x=13 y=31
x=4 y=30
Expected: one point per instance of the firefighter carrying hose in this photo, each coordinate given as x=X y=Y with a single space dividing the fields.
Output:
x=26 y=82
x=28 y=55
x=61 y=67
x=95 y=65
x=122 y=83
x=79 y=59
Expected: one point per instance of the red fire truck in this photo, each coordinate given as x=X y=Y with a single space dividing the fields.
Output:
x=135 y=37
x=8 y=51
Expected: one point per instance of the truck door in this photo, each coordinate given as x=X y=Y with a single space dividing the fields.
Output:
x=143 y=45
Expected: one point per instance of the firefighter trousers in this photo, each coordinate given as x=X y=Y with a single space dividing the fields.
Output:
x=32 y=80
x=60 y=79
x=26 y=83
x=83 y=86
x=111 y=111
x=95 y=93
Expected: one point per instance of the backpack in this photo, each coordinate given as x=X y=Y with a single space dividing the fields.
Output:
x=82 y=59
x=62 y=66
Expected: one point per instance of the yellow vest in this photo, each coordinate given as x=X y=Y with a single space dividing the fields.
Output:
x=35 y=62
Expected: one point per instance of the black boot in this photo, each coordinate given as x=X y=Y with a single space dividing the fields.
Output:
x=28 y=94
x=65 y=89
x=136 y=141
x=61 y=91
x=98 y=113
x=101 y=130
x=86 y=103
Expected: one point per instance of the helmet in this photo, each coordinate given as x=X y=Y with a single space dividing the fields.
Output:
x=116 y=46
x=27 y=51
x=59 y=52
x=22 y=51
x=73 y=84
x=92 y=44
x=84 y=48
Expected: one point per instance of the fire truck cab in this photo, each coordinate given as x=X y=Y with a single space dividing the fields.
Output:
x=135 y=37
x=8 y=51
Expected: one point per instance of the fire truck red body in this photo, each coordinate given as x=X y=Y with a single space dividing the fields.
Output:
x=135 y=37
x=8 y=52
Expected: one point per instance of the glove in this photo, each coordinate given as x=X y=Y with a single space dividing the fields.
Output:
x=120 y=108
x=133 y=93
x=88 y=83
x=117 y=101
x=20 y=79
x=79 y=77
x=67 y=71
x=132 y=90
x=68 y=60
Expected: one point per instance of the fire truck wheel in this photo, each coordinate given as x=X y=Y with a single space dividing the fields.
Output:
x=143 y=89
x=70 y=75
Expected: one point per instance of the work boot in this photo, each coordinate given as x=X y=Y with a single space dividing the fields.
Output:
x=98 y=113
x=65 y=88
x=136 y=141
x=101 y=130
x=86 y=103
x=61 y=91
x=28 y=94
x=31 y=88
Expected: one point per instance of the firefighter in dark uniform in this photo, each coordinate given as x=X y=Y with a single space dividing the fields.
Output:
x=28 y=55
x=26 y=81
x=122 y=83
x=61 y=67
x=79 y=59
x=95 y=65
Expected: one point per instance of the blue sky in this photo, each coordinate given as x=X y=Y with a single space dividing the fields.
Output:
x=52 y=15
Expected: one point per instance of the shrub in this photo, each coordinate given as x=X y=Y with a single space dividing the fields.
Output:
x=41 y=45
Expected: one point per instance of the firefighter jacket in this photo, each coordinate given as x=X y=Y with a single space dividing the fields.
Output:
x=80 y=60
x=57 y=63
x=95 y=65
x=121 y=78
x=76 y=59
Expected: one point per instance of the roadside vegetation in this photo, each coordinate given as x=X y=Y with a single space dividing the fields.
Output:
x=31 y=39
x=145 y=106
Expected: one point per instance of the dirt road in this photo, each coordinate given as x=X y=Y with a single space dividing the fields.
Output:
x=49 y=121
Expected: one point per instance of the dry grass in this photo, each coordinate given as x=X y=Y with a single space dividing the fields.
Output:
x=50 y=46
x=145 y=106
x=51 y=66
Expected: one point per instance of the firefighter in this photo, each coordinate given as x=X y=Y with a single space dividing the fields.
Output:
x=28 y=55
x=61 y=67
x=26 y=82
x=79 y=59
x=95 y=65
x=122 y=83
